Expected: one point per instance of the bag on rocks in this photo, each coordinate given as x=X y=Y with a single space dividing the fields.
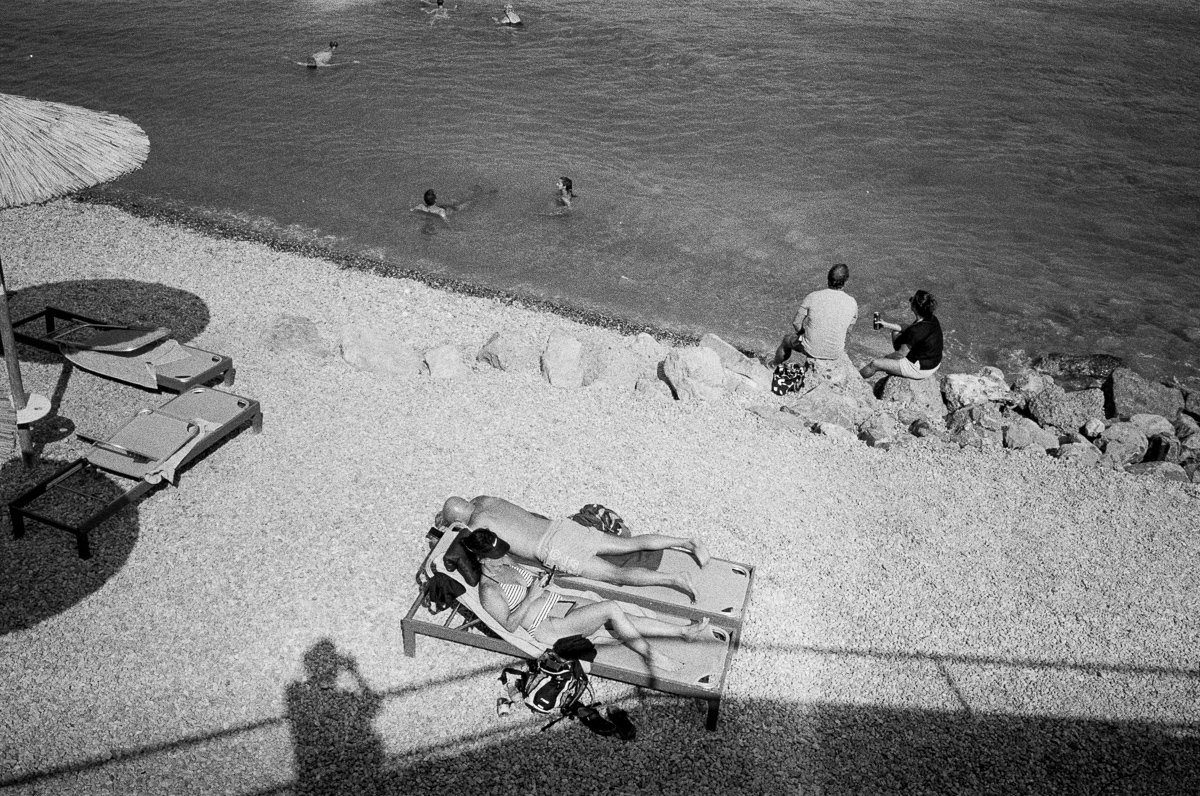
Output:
x=787 y=377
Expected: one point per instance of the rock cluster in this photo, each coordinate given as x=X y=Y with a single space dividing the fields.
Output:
x=1118 y=419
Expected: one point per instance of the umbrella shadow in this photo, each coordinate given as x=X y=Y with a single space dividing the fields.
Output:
x=125 y=301
x=41 y=574
x=332 y=716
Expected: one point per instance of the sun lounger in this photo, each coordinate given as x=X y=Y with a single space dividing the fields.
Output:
x=705 y=663
x=147 y=451
x=144 y=356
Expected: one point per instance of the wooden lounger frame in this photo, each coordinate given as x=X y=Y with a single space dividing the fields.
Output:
x=461 y=628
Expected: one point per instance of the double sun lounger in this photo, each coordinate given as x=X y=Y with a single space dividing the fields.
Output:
x=723 y=596
x=152 y=446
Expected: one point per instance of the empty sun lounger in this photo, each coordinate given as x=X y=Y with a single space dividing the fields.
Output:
x=144 y=356
x=146 y=452
x=705 y=663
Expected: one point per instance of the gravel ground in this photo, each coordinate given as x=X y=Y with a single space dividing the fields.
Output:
x=924 y=620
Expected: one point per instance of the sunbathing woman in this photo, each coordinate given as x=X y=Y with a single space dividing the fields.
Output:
x=518 y=601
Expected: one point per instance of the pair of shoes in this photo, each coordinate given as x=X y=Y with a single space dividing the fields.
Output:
x=503 y=707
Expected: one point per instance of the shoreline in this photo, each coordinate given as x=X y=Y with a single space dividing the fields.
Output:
x=921 y=617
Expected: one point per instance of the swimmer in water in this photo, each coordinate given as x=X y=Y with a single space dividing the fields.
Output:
x=565 y=192
x=509 y=18
x=429 y=205
x=439 y=12
x=322 y=58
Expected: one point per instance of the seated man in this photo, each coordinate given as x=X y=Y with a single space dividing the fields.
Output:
x=563 y=544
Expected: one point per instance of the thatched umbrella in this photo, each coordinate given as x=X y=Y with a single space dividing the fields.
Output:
x=48 y=150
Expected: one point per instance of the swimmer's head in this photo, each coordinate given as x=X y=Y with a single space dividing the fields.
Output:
x=332 y=45
x=430 y=197
x=566 y=185
x=508 y=7
x=485 y=544
x=838 y=275
x=440 y=3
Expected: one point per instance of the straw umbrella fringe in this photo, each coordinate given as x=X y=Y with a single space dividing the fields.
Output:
x=47 y=150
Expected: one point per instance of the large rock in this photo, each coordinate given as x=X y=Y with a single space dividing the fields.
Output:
x=562 y=361
x=694 y=373
x=1078 y=370
x=880 y=430
x=294 y=333
x=744 y=369
x=1027 y=386
x=1021 y=432
x=841 y=375
x=1163 y=448
x=1082 y=453
x=1123 y=443
x=444 y=362
x=779 y=416
x=1152 y=424
x=922 y=395
x=965 y=389
x=1167 y=471
x=505 y=352
x=827 y=404
x=1067 y=411
x=619 y=365
x=650 y=348
x=1130 y=394
x=986 y=416
x=367 y=347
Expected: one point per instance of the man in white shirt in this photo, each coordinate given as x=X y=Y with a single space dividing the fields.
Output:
x=821 y=323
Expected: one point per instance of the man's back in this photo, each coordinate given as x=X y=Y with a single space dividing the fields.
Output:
x=825 y=316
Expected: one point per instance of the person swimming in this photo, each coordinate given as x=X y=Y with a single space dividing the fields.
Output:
x=439 y=11
x=429 y=205
x=566 y=191
x=509 y=17
x=322 y=58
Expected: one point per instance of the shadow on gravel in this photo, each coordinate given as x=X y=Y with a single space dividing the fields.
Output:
x=773 y=747
x=41 y=574
x=124 y=301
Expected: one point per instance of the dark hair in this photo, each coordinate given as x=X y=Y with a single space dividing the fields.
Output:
x=430 y=197
x=333 y=45
x=838 y=276
x=485 y=544
x=923 y=303
x=567 y=185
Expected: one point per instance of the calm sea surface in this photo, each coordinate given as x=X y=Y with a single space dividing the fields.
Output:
x=1036 y=165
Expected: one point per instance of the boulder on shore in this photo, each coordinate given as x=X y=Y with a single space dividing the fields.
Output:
x=1130 y=394
x=366 y=347
x=562 y=361
x=694 y=373
x=965 y=389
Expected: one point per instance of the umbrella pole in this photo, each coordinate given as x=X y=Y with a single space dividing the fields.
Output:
x=16 y=388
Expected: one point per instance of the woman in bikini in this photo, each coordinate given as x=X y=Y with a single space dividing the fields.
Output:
x=515 y=597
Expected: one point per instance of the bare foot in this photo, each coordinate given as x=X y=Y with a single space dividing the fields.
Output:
x=662 y=663
x=696 y=630
x=683 y=582
x=700 y=553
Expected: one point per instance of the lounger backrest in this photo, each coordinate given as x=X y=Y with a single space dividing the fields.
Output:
x=469 y=599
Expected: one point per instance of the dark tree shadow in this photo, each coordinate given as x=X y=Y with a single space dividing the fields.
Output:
x=41 y=574
x=332 y=715
x=125 y=301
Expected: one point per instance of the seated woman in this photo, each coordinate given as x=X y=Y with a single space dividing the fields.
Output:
x=918 y=346
x=516 y=599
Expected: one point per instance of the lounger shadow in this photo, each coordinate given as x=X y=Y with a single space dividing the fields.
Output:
x=147 y=452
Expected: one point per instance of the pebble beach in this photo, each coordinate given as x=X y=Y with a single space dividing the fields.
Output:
x=926 y=619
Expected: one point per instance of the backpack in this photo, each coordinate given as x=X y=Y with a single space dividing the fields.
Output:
x=554 y=684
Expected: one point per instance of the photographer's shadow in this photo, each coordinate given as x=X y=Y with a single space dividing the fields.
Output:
x=332 y=717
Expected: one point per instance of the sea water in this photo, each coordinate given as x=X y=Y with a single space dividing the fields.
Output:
x=1033 y=163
